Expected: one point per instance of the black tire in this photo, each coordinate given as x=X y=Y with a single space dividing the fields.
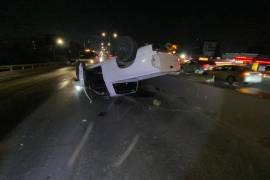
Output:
x=230 y=80
x=125 y=50
x=77 y=71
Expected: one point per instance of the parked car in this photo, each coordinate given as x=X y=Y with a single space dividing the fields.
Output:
x=234 y=73
x=266 y=73
x=197 y=67
x=89 y=58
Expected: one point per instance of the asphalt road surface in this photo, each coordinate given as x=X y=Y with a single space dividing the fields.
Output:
x=50 y=129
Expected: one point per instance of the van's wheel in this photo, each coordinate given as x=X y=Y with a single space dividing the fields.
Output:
x=230 y=80
x=125 y=50
x=76 y=77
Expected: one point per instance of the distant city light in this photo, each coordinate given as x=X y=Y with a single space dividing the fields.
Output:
x=87 y=50
x=59 y=41
x=115 y=35
x=174 y=46
x=109 y=44
x=183 y=56
x=101 y=59
x=103 y=34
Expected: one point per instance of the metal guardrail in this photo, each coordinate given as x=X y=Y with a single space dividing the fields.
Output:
x=28 y=66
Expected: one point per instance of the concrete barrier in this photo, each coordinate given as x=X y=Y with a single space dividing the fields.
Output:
x=17 y=67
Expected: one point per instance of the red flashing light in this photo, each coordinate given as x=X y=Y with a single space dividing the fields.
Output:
x=244 y=59
x=205 y=66
x=262 y=62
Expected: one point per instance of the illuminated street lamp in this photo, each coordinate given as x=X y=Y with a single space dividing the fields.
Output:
x=107 y=37
x=60 y=41
x=115 y=35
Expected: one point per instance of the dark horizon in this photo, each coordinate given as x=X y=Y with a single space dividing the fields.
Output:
x=235 y=26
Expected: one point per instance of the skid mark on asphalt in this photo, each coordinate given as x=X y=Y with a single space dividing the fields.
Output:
x=78 y=149
x=130 y=148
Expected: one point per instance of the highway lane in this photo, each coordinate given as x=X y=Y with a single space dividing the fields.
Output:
x=18 y=74
x=20 y=95
x=64 y=136
x=260 y=90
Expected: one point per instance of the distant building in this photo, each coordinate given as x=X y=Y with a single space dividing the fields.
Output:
x=210 y=48
x=233 y=56
x=32 y=50
x=206 y=48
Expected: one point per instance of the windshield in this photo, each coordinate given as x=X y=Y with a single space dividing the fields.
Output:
x=134 y=90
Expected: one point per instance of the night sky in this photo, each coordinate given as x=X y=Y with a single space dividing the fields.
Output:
x=236 y=26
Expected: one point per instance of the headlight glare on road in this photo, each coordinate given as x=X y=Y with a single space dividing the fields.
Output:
x=246 y=74
x=78 y=88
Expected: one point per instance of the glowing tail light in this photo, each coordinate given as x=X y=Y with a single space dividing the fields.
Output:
x=246 y=74
x=206 y=66
x=243 y=59
x=262 y=62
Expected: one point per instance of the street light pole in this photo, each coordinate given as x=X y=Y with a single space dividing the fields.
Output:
x=108 y=35
x=58 y=42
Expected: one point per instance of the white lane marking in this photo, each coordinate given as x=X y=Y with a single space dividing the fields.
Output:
x=87 y=95
x=124 y=156
x=63 y=84
x=78 y=149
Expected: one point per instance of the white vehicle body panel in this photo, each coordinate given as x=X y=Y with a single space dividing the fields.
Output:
x=147 y=64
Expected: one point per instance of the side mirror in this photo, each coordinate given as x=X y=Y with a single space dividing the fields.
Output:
x=125 y=50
